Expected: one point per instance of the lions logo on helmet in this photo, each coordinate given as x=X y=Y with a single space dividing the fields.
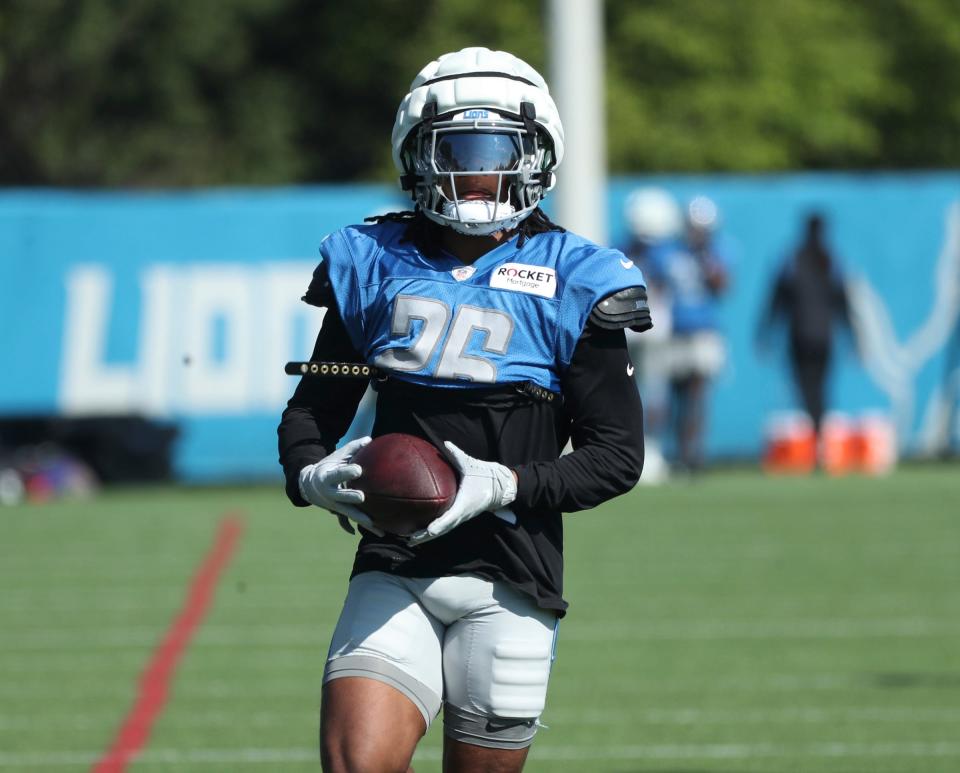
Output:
x=472 y=115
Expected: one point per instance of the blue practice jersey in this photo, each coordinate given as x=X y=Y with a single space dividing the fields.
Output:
x=514 y=315
x=694 y=306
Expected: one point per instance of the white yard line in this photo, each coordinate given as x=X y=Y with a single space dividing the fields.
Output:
x=680 y=716
x=249 y=602
x=290 y=596
x=233 y=636
x=543 y=752
x=210 y=690
x=88 y=554
x=104 y=664
x=806 y=715
x=717 y=630
x=245 y=636
x=74 y=592
x=229 y=689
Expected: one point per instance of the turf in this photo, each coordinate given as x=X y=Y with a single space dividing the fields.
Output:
x=738 y=623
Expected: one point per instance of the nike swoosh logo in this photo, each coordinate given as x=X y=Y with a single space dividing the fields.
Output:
x=626 y=263
x=629 y=370
x=494 y=726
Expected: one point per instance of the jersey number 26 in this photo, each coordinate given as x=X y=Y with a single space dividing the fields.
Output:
x=434 y=316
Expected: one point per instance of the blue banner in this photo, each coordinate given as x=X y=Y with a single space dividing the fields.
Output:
x=184 y=306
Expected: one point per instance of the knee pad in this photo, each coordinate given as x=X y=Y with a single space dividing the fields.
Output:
x=504 y=712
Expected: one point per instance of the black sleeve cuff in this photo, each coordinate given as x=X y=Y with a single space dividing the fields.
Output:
x=294 y=462
x=293 y=490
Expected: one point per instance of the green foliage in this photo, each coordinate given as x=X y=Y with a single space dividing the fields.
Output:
x=162 y=92
x=923 y=39
x=352 y=67
x=743 y=85
x=111 y=92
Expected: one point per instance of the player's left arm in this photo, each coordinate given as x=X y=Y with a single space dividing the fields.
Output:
x=603 y=405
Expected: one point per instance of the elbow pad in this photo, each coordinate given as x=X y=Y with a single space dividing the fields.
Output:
x=626 y=308
x=320 y=291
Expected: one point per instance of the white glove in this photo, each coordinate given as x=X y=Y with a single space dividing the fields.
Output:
x=324 y=484
x=484 y=486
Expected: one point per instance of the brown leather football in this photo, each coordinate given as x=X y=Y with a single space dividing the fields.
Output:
x=406 y=482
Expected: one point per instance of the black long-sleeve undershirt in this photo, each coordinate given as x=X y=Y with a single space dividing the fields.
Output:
x=599 y=396
x=320 y=411
x=600 y=414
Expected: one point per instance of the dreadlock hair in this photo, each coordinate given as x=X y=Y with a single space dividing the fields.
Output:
x=422 y=231
x=535 y=223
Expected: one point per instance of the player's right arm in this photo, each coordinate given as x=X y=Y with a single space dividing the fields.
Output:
x=321 y=410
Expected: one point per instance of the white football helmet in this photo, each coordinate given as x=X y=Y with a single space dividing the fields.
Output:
x=702 y=213
x=477 y=139
x=652 y=215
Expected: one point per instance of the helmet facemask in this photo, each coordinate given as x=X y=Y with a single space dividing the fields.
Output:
x=477 y=171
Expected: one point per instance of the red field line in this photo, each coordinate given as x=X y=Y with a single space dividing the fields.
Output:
x=156 y=678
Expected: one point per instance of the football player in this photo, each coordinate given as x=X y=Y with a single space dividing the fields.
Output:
x=654 y=219
x=695 y=272
x=502 y=337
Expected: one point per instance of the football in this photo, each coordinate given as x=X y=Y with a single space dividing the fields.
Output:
x=406 y=482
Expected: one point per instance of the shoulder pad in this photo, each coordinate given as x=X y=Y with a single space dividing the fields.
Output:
x=320 y=291
x=625 y=308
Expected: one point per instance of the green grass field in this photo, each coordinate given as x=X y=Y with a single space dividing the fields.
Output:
x=740 y=623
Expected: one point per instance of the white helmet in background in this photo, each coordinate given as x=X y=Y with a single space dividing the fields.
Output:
x=471 y=113
x=703 y=218
x=702 y=214
x=653 y=215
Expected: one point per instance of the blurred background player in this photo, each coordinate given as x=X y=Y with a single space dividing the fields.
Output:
x=808 y=296
x=653 y=218
x=693 y=272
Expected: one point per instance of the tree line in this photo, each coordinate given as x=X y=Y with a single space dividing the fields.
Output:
x=152 y=93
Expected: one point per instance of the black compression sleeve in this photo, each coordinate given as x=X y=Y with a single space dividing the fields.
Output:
x=321 y=410
x=601 y=398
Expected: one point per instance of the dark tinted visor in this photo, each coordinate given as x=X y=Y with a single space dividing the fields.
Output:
x=478 y=151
